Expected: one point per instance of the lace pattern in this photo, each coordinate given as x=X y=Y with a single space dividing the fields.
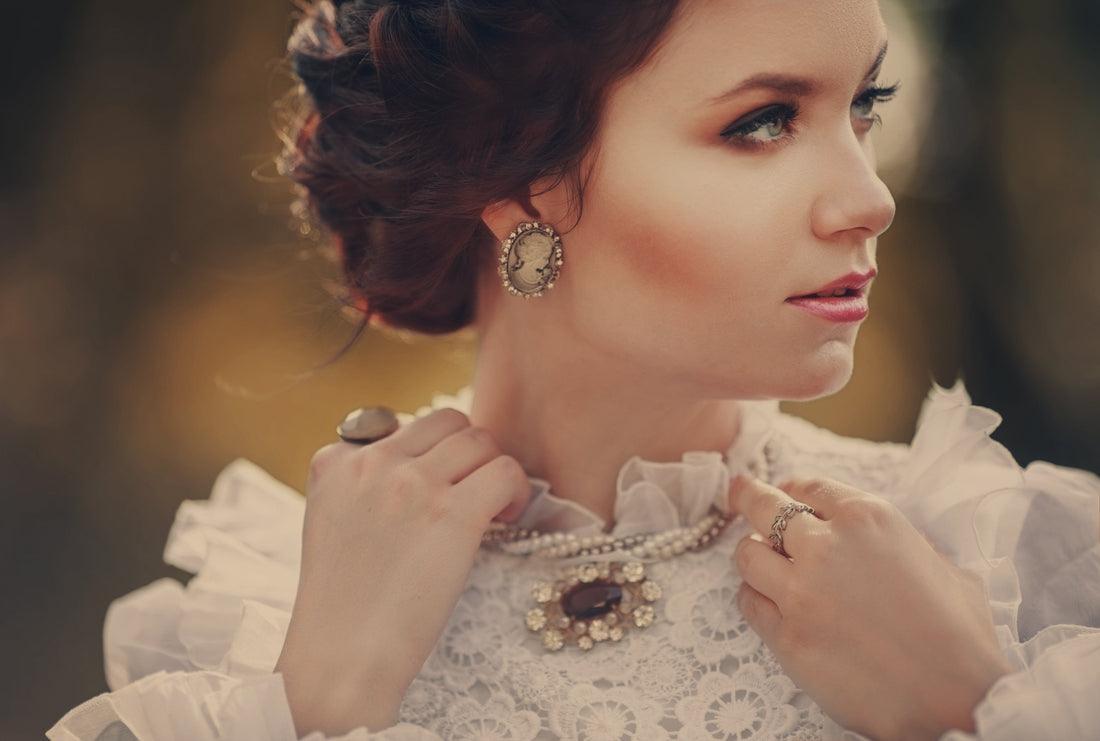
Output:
x=195 y=663
x=699 y=672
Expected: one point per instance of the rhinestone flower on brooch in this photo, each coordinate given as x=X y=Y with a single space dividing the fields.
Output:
x=591 y=603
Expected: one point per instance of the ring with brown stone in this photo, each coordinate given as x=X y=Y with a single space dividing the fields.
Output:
x=367 y=425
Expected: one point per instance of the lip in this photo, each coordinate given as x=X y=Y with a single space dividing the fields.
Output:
x=851 y=307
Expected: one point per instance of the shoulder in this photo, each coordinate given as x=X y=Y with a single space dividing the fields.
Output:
x=951 y=459
x=243 y=545
x=800 y=449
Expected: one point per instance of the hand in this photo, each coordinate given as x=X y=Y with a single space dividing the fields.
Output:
x=391 y=531
x=886 y=635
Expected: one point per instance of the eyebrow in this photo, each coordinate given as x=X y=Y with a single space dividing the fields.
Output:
x=787 y=84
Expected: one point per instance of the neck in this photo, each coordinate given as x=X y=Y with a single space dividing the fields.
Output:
x=573 y=416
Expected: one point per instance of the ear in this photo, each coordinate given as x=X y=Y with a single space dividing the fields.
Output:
x=501 y=217
x=550 y=203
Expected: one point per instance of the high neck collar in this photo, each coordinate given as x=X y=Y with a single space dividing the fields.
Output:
x=650 y=496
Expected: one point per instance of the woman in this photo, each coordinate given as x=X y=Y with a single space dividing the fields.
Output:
x=696 y=182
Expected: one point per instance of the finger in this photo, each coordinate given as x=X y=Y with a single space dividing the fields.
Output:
x=424 y=433
x=458 y=455
x=760 y=613
x=499 y=489
x=326 y=460
x=761 y=503
x=762 y=568
x=826 y=496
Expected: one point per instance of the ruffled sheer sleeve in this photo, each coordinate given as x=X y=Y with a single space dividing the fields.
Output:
x=1053 y=696
x=1033 y=535
x=195 y=663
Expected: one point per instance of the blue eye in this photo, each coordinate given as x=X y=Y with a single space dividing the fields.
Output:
x=761 y=127
x=863 y=107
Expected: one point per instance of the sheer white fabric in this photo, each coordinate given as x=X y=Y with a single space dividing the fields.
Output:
x=195 y=663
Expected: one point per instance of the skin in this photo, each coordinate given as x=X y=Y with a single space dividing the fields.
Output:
x=887 y=636
x=672 y=299
x=670 y=308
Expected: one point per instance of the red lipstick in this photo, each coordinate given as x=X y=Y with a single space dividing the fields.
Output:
x=842 y=300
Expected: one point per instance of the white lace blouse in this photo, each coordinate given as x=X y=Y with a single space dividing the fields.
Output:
x=195 y=663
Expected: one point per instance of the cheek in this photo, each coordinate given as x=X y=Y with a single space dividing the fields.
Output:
x=635 y=225
x=661 y=242
x=693 y=219
x=656 y=254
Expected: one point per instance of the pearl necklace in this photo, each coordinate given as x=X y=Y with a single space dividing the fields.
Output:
x=596 y=601
x=658 y=545
x=591 y=601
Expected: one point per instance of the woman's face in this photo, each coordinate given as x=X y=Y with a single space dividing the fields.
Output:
x=733 y=177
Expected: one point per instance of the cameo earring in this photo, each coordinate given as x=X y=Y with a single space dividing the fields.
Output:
x=530 y=259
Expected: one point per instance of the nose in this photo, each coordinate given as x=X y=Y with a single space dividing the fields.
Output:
x=853 y=202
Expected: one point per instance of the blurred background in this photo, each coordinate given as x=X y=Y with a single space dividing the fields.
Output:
x=156 y=298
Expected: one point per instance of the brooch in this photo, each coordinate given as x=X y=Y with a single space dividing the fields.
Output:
x=592 y=602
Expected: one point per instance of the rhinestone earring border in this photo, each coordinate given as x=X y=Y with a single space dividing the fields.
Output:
x=555 y=262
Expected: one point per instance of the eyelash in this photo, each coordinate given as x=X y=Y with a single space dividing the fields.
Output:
x=876 y=94
x=739 y=133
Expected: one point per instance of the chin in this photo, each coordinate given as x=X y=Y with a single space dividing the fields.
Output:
x=825 y=375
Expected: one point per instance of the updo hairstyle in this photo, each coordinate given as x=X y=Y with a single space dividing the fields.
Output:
x=419 y=114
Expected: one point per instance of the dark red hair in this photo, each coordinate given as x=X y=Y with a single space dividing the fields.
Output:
x=419 y=114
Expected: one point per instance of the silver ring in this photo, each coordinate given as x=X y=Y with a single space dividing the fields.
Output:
x=788 y=511
x=367 y=425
